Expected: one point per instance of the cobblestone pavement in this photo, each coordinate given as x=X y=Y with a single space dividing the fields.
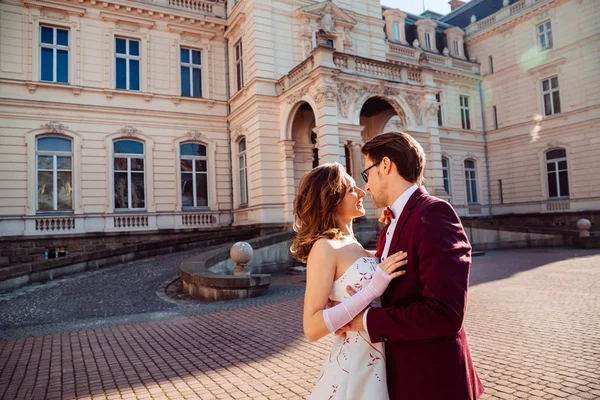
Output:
x=533 y=323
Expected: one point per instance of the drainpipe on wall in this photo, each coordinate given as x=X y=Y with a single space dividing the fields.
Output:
x=487 y=164
x=229 y=154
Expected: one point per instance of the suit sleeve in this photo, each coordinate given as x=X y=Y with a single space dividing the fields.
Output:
x=444 y=260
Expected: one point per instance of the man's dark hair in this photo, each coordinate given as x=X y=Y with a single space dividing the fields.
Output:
x=403 y=150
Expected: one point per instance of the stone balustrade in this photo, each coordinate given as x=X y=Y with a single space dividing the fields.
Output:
x=211 y=8
x=502 y=15
x=411 y=55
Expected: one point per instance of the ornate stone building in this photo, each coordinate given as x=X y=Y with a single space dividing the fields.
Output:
x=139 y=116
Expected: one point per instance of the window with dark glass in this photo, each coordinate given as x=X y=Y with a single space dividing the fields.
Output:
x=471 y=181
x=465 y=112
x=128 y=169
x=191 y=72
x=557 y=173
x=239 y=65
x=551 y=96
x=438 y=97
x=194 y=175
x=54 y=54
x=127 y=64
x=446 y=174
x=427 y=40
x=243 y=172
x=491 y=64
x=54 y=173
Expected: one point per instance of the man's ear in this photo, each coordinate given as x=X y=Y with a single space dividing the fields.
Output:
x=387 y=165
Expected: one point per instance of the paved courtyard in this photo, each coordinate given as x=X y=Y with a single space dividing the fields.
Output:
x=533 y=323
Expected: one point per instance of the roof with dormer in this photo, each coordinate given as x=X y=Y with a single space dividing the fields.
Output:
x=461 y=16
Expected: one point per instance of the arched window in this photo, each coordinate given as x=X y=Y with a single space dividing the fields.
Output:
x=471 y=181
x=446 y=174
x=54 y=172
x=194 y=175
x=243 y=171
x=129 y=182
x=557 y=174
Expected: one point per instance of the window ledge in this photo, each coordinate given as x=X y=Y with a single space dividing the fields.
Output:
x=33 y=86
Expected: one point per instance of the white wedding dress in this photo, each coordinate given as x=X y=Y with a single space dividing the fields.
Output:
x=355 y=367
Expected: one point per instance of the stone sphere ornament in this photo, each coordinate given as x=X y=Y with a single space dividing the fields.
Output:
x=241 y=254
x=584 y=226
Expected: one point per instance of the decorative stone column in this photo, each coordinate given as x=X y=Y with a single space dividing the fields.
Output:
x=357 y=162
x=328 y=140
x=435 y=185
x=287 y=172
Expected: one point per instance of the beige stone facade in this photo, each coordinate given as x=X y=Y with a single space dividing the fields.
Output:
x=136 y=116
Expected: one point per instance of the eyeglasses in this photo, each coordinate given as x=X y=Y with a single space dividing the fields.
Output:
x=364 y=174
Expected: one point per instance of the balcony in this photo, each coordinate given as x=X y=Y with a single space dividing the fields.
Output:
x=508 y=12
x=409 y=55
x=204 y=7
x=327 y=57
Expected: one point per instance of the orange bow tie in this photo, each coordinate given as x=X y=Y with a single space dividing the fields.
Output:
x=386 y=216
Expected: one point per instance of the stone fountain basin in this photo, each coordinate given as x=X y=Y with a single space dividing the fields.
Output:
x=207 y=276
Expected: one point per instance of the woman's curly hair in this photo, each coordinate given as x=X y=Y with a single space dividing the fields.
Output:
x=319 y=192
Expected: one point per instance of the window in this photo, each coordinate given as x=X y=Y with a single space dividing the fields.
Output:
x=495 y=117
x=239 y=65
x=471 y=181
x=438 y=97
x=194 y=175
x=243 y=171
x=465 y=112
x=456 y=48
x=427 y=40
x=329 y=43
x=54 y=54
x=191 y=72
x=54 y=162
x=557 y=174
x=491 y=64
x=551 y=96
x=544 y=33
x=396 y=32
x=127 y=64
x=128 y=162
x=446 y=174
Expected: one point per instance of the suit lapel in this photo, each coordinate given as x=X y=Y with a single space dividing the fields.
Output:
x=412 y=202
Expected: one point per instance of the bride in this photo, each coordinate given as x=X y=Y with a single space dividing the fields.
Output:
x=327 y=202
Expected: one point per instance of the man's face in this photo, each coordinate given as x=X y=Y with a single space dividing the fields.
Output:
x=375 y=185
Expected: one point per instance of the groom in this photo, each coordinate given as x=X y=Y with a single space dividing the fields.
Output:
x=421 y=318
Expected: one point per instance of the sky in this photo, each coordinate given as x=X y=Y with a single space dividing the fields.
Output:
x=416 y=6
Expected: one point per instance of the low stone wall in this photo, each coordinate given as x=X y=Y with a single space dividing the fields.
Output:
x=14 y=276
x=490 y=239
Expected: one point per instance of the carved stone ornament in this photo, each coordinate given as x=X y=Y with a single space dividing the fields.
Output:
x=446 y=52
x=124 y=26
x=54 y=14
x=326 y=94
x=432 y=110
x=129 y=130
x=297 y=95
x=54 y=127
x=416 y=44
x=195 y=135
x=327 y=22
x=190 y=37
x=414 y=102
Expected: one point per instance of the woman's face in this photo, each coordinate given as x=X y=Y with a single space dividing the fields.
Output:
x=351 y=205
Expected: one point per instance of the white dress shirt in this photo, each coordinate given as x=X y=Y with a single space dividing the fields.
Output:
x=397 y=209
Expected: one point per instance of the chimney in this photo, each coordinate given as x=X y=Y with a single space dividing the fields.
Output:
x=454 y=4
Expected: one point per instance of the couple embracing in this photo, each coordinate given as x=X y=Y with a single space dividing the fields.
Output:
x=413 y=346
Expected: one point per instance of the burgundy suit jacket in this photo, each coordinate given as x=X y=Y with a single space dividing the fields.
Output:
x=421 y=318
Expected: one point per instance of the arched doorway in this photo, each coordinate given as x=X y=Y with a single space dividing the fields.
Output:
x=376 y=116
x=306 y=153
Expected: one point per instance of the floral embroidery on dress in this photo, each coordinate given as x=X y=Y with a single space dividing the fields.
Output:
x=355 y=367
